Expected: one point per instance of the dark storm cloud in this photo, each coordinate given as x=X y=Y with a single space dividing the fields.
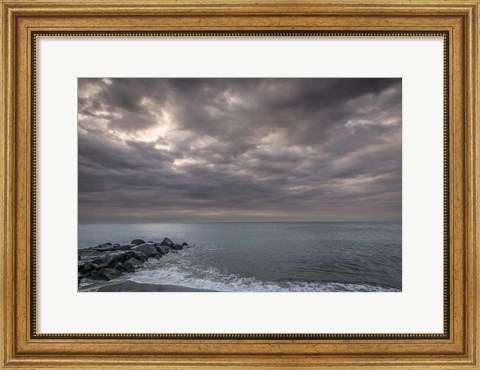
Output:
x=239 y=149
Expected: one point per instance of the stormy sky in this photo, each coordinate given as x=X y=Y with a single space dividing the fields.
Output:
x=226 y=149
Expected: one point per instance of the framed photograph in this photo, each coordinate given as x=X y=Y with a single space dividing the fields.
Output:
x=239 y=184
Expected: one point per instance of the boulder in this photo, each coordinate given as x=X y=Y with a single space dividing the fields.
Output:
x=104 y=274
x=87 y=267
x=148 y=249
x=110 y=259
x=88 y=252
x=162 y=249
x=184 y=244
x=134 y=262
x=125 y=247
x=104 y=248
x=167 y=242
x=112 y=273
x=96 y=275
x=104 y=260
x=105 y=245
x=137 y=241
x=177 y=247
x=138 y=255
x=125 y=267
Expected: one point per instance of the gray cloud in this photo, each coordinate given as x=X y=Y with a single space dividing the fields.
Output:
x=239 y=149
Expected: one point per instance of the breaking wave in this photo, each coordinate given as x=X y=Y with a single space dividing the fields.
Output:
x=175 y=270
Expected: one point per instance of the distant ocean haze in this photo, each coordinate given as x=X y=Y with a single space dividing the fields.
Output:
x=262 y=257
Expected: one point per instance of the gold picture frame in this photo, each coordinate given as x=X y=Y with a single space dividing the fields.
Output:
x=24 y=21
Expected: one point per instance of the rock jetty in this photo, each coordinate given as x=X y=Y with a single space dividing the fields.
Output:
x=109 y=261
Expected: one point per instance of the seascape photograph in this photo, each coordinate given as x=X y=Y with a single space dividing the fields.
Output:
x=239 y=185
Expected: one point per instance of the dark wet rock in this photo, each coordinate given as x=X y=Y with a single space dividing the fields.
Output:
x=134 y=262
x=138 y=255
x=106 y=274
x=89 y=252
x=87 y=267
x=137 y=241
x=104 y=260
x=167 y=242
x=125 y=267
x=108 y=261
x=162 y=249
x=104 y=248
x=148 y=249
x=125 y=247
x=97 y=275
x=112 y=273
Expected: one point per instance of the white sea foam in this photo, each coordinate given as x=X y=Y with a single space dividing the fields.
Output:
x=212 y=279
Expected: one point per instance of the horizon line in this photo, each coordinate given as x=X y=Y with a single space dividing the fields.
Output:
x=229 y=222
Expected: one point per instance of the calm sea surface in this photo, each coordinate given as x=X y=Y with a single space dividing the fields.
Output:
x=258 y=257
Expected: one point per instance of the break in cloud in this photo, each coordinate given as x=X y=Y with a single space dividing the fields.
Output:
x=227 y=149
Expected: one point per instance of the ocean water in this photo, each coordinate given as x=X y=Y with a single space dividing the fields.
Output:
x=264 y=257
